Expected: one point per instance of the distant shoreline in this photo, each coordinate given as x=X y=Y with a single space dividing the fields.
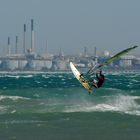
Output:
x=32 y=72
x=68 y=71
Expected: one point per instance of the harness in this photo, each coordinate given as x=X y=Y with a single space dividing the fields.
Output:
x=101 y=78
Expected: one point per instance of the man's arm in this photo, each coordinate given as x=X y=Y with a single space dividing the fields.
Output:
x=101 y=73
x=97 y=76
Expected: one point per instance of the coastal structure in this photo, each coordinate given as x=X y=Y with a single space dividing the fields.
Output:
x=29 y=60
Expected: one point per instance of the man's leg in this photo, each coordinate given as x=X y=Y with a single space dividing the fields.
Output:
x=95 y=85
x=82 y=78
x=81 y=75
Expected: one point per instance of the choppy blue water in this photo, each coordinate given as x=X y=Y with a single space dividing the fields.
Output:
x=54 y=106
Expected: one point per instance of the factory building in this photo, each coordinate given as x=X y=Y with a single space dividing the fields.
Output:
x=28 y=59
x=126 y=60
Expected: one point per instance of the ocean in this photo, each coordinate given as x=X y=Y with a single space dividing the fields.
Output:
x=54 y=106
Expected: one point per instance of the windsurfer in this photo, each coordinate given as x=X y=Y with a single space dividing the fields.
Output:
x=97 y=84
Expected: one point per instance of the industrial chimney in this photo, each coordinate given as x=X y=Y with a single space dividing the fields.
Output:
x=95 y=51
x=9 y=47
x=16 y=50
x=32 y=36
x=24 y=39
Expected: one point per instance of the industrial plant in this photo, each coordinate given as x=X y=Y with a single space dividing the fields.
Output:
x=29 y=60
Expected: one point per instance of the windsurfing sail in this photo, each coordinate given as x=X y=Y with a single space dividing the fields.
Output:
x=111 y=59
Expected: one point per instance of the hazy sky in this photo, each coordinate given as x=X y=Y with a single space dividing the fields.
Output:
x=71 y=25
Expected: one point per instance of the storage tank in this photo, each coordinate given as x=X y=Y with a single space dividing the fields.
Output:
x=47 y=64
x=22 y=64
x=9 y=64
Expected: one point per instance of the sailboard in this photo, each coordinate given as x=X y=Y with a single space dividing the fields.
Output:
x=113 y=58
x=81 y=79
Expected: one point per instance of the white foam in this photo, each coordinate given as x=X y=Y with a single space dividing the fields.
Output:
x=17 y=76
x=45 y=76
x=122 y=104
x=12 y=76
x=11 y=97
x=25 y=76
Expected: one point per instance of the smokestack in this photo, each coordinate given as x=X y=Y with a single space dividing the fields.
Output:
x=32 y=36
x=95 y=52
x=8 y=41
x=32 y=24
x=9 y=47
x=85 y=51
x=24 y=39
x=46 y=46
x=95 y=55
x=16 y=50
